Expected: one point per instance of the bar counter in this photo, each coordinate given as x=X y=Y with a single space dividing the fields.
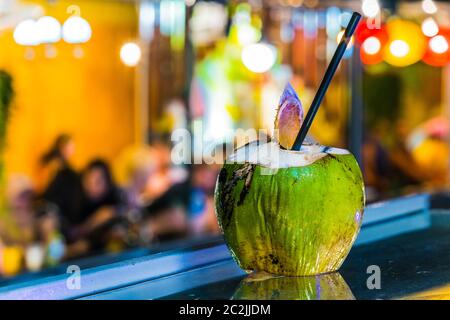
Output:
x=401 y=240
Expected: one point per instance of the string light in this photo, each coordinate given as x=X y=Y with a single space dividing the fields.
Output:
x=438 y=53
x=371 y=45
x=76 y=30
x=399 y=48
x=48 y=30
x=259 y=57
x=370 y=8
x=26 y=34
x=407 y=44
x=430 y=27
x=439 y=44
x=247 y=34
x=371 y=50
x=130 y=54
x=428 y=6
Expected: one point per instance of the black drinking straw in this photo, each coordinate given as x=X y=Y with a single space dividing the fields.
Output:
x=337 y=57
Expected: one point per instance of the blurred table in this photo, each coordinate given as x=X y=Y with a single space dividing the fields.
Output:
x=408 y=242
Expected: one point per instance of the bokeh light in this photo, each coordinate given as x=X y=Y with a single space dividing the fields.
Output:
x=438 y=53
x=428 y=6
x=248 y=34
x=371 y=51
x=430 y=27
x=371 y=45
x=26 y=33
x=130 y=54
x=372 y=39
x=48 y=30
x=364 y=31
x=399 y=48
x=406 y=45
x=339 y=37
x=438 y=44
x=76 y=30
x=370 y=8
x=259 y=57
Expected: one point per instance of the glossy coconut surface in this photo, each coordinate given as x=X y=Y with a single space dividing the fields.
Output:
x=295 y=221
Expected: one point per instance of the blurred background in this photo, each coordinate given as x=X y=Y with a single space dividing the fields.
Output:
x=92 y=90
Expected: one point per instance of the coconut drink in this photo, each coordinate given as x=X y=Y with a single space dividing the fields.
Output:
x=287 y=207
x=287 y=212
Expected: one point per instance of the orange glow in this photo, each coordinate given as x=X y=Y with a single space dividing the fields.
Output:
x=372 y=40
x=365 y=31
x=12 y=260
x=406 y=45
x=372 y=50
x=438 y=53
x=90 y=98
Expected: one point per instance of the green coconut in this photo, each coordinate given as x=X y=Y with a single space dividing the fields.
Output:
x=287 y=212
x=294 y=213
x=330 y=286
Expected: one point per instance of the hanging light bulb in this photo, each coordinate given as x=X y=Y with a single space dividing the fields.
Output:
x=48 y=30
x=439 y=44
x=428 y=6
x=247 y=34
x=371 y=45
x=26 y=33
x=406 y=45
x=130 y=54
x=259 y=57
x=76 y=30
x=370 y=8
x=399 y=48
x=372 y=41
x=371 y=50
x=430 y=27
x=438 y=53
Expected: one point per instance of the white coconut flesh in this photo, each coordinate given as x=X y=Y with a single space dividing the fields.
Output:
x=270 y=155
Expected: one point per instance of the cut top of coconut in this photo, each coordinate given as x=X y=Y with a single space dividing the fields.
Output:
x=270 y=155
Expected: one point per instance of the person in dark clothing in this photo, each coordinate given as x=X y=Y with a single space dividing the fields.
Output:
x=98 y=207
x=99 y=189
x=164 y=219
x=64 y=191
x=61 y=151
x=64 y=188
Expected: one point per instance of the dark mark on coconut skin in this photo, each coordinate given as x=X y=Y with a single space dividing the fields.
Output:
x=344 y=164
x=274 y=259
x=227 y=199
x=247 y=184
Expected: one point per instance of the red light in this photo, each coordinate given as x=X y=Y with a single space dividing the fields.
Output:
x=366 y=30
x=371 y=51
x=438 y=52
x=372 y=39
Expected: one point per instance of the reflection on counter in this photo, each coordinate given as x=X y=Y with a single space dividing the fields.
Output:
x=87 y=121
x=438 y=293
x=263 y=286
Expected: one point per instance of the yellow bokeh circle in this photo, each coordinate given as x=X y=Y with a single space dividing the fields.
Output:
x=406 y=43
